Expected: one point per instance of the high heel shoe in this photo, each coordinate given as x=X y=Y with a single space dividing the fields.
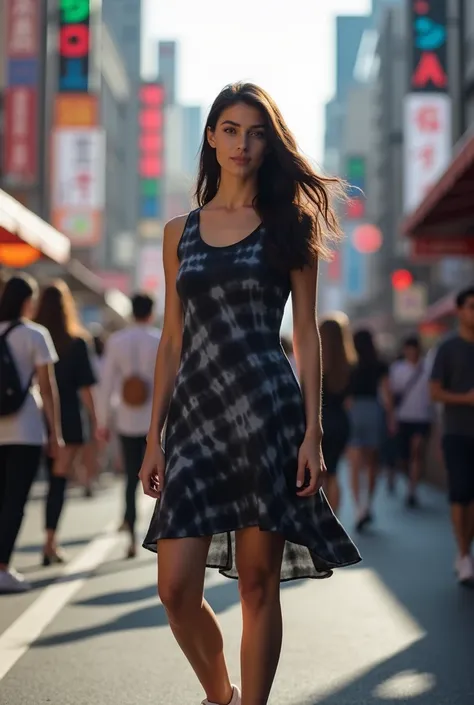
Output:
x=132 y=551
x=53 y=558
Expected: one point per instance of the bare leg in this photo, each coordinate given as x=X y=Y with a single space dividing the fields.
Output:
x=356 y=467
x=258 y=556
x=181 y=570
x=416 y=463
x=333 y=492
x=461 y=516
x=471 y=523
x=372 y=462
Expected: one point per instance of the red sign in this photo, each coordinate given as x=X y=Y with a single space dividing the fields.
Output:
x=20 y=152
x=20 y=160
x=422 y=247
x=22 y=34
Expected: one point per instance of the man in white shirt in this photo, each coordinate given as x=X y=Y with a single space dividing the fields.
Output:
x=127 y=371
x=409 y=383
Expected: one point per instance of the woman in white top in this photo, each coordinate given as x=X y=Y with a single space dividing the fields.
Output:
x=22 y=433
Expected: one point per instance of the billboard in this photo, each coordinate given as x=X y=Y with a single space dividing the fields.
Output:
x=150 y=167
x=74 y=46
x=78 y=189
x=354 y=263
x=150 y=274
x=427 y=106
x=22 y=50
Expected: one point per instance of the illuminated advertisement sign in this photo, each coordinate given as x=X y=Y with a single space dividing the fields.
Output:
x=74 y=45
x=20 y=158
x=151 y=150
x=428 y=63
x=427 y=130
x=354 y=263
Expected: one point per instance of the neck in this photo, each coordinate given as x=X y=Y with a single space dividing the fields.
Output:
x=466 y=333
x=235 y=193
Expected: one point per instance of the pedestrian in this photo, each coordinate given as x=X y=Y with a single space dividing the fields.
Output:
x=128 y=367
x=338 y=358
x=369 y=397
x=452 y=385
x=409 y=385
x=238 y=484
x=75 y=379
x=27 y=356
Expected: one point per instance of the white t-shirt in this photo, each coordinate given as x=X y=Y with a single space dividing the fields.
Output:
x=31 y=347
x=416 y=405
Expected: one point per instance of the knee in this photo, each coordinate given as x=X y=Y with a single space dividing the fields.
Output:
x=178 y=598
x=257 y=588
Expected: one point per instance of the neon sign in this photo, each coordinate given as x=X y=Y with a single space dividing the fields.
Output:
x=151 y=149
x=74 y=45
x=429 y=61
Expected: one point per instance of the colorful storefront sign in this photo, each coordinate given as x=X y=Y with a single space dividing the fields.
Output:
x=20 y=162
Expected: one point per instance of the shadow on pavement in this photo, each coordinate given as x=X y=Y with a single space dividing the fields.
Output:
x=222 y=597
x=38 y=547
x=412 y=553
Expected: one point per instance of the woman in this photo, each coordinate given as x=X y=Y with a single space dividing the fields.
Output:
x=22 y=433
x=75 y=379
x=241 y=489
x=338 y=357
x=370 y=397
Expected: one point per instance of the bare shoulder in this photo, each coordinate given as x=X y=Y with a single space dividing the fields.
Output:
x=174 y=228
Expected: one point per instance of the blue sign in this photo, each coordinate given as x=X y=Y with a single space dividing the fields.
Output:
x=354 y=265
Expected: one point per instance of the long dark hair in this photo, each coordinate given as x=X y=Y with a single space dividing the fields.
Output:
x=338 y=353
x=57 y=312
x=365 y=348
x=15 y=294
x=293 y=202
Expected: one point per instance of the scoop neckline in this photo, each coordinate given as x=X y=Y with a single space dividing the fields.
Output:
x=224 y=247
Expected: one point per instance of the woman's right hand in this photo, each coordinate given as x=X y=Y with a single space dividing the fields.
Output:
x=152 y=471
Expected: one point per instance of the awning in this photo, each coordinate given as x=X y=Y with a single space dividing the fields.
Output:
x=20 y=225
x=448 y=208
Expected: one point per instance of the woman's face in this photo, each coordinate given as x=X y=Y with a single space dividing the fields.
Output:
x=240 y=140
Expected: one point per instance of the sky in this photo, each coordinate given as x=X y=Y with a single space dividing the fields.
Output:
x=286 y=46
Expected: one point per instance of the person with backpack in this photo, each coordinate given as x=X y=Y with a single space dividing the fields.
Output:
x=27 y=392
x=127 y=372
x=409 y=384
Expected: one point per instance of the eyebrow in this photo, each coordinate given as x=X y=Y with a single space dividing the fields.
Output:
x=236 y=124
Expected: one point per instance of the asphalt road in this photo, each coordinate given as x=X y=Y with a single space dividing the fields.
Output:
x=394 y=629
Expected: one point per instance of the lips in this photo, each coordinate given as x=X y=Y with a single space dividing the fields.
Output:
x=241 y=161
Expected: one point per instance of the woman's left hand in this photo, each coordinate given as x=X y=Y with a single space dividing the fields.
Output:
x=310 y=458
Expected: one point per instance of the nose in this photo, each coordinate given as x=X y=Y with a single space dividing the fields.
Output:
x=243 y=146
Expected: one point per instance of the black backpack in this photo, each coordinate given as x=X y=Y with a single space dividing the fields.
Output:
x=12 y=394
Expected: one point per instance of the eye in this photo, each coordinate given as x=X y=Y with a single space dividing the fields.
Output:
x=259 y=135
x=229 y=130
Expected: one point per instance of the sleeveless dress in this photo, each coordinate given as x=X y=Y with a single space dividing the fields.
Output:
x=236 y=418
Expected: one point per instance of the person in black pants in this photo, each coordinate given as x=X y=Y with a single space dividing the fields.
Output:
x=22 y=434
x=75 y=379
x=338 y=355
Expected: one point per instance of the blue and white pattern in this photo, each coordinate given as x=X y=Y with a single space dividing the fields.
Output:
x=236 y=418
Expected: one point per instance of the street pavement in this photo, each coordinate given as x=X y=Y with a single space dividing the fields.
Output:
x=394 y=629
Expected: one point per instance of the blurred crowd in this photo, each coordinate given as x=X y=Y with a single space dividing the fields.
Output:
x=75 y=402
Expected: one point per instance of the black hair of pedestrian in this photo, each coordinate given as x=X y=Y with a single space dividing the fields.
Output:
x=463 y=296
x=142 y=306
x=16 y=292
x=293 y=202
x=412 y=341
x=365 y=348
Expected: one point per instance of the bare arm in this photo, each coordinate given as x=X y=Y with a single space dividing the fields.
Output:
x=88 y=401
x=49 y=395
x=439 y=394
x=169 y=349
x=307 y=344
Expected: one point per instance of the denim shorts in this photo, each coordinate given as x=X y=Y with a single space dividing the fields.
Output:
x=366 y=419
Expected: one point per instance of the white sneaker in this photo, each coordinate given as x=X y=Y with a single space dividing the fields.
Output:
x=236 y=699
x=465 y=570
x=12 y=581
